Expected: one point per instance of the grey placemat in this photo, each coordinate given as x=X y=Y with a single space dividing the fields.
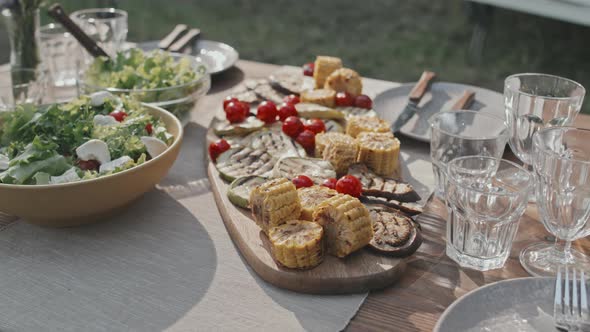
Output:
x=166 y=263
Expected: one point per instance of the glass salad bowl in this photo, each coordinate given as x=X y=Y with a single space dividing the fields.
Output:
x=171 y=81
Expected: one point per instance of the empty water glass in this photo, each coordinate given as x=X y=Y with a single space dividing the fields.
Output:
x=464 y=133
x=107 y=26
x=20 y=86
x=486 y=198
x=60 y=54
x=561 y=160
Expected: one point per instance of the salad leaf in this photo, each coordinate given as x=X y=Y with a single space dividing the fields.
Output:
x=22 y=174
x=37 y=150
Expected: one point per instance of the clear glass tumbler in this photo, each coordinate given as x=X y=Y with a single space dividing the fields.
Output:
x=21 y=86
x=561 y=161
x=107 y=26
x=60 y=54
x=464 y=133
x=486 y=198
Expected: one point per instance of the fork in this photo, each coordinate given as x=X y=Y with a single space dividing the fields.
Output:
x=570 y=309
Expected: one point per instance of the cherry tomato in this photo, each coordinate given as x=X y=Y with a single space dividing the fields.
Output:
x=149 y=128
x=228 y=100
x=217 y=148
x=291 y=99
x=350 y=185
x=88 y=165
x=236 y=112
x=307 y=140
x=293 y=126
x=267 y=112
x=344 y=99
x=119 y=115
x=316 y=125
x=330 y=183
x=308 y=69
x=301 y=181
x=286 y=110
x=363 y=101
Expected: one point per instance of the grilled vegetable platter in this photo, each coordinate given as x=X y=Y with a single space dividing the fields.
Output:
x=308 y=181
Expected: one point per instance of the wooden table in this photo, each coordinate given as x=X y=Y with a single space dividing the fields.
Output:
x=432 y=281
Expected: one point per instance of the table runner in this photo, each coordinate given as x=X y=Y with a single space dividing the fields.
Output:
x=166 y=263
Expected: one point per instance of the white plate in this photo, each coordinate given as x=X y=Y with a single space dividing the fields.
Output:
x=440 y=96
x=524 y=304
x=217 y=56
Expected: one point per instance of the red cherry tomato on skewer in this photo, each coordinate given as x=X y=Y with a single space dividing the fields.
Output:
x=349 y=185
x=330 y=183
x=217 y=148
x=316 y=125
x=228 y=100
x=236 y=112
x=307 y=140
x=344 y=99
x=293 y=126
x=286 y=110
x=291 y=99
x=363 y=101
x=267 y=112
x=308 y=69
x=302 y=181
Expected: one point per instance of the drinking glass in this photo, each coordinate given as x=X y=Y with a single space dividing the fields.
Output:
x=59 y=54
x=107 y=26
x=464 y=133
x=20 y=86
x=535 y=101
x=486 y=198
x=561 y=162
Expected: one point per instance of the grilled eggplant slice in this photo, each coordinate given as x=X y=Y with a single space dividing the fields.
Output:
x=375 y=185
x=239 y=190
x=243 y=161
x=316 y=169
x=276 y=143
x=394 y=233
x=309 y=110
x=224 y=128
x=287 y=80
x=411 y=208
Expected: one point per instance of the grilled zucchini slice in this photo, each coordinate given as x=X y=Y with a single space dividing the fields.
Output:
x=223 y=127
x=275 y=143
x=316 y=169
x=240 y=189
x=243 y=161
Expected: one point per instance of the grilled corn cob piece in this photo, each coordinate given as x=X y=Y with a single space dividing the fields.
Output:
x=341 y=155
x=346 y=222
x=344 y=80
x=323 y=97
x=311 y=197
x=380 y=152
x=357 y=124
x=322 y=139
x=297 y=244
x=323 y=67
x=274 y=202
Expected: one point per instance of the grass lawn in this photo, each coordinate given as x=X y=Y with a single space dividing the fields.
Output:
x=388 y=39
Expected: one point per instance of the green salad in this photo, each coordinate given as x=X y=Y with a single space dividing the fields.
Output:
x=89 y=137
x=138 y=70
x=152 y=77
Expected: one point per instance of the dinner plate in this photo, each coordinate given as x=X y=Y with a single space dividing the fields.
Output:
x=217 y=56
x=524 y=304
x=440 y=96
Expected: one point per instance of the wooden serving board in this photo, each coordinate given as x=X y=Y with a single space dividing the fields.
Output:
x=361 y=271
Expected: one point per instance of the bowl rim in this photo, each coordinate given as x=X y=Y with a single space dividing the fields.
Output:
x=177 y=141
x=205 y=77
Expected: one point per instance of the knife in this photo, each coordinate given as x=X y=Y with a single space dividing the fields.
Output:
x=413 y=99
x=465 y=101
x=185 y=41
x=173 y=36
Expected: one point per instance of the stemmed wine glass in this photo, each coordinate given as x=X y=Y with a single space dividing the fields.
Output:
x=533 y=102
x=561 y=163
